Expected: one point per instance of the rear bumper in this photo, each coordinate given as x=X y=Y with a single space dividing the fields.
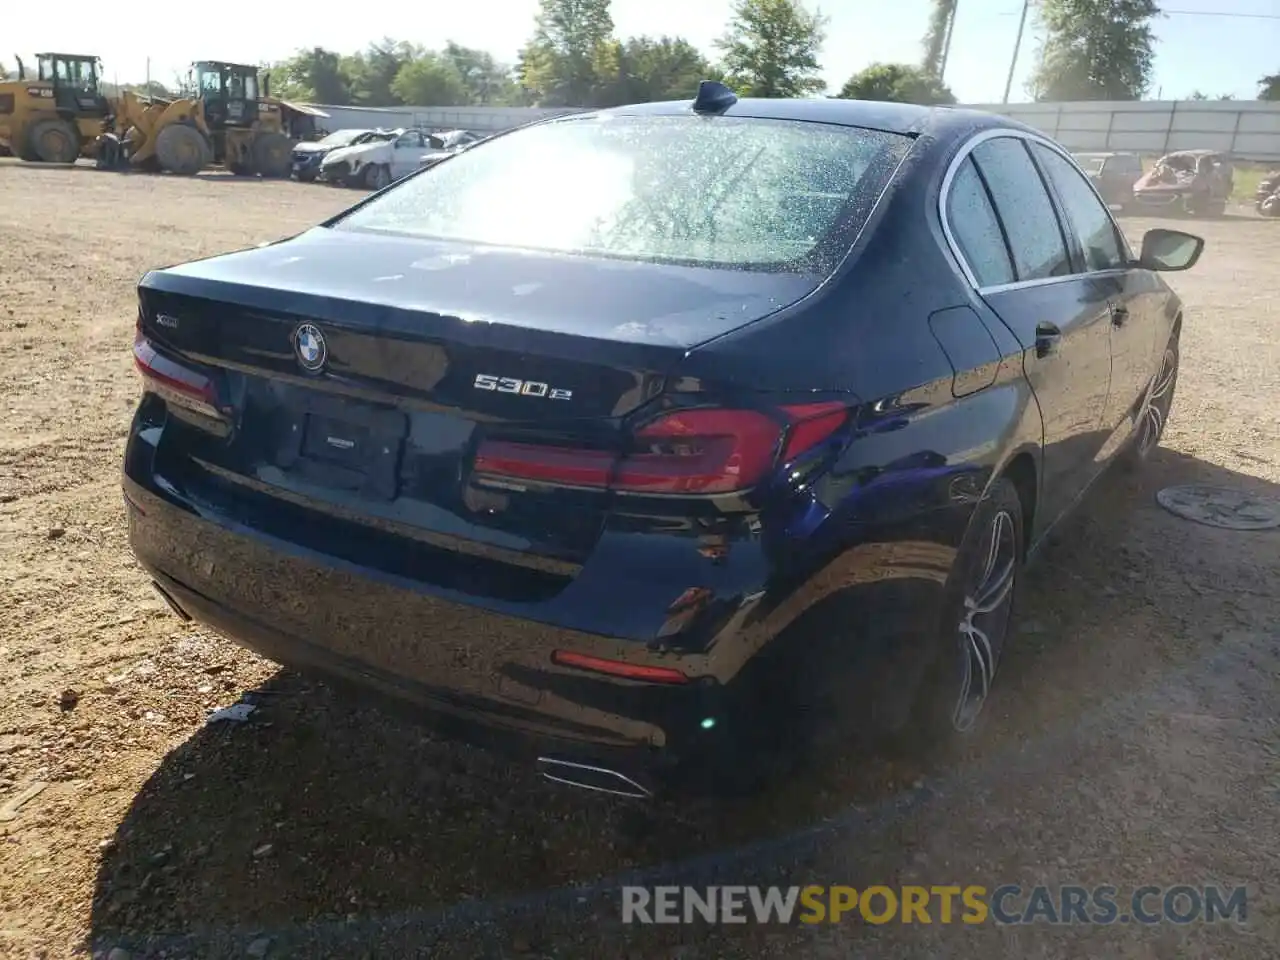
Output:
x=1147 y=198
x=648 y=769
x=474 y=675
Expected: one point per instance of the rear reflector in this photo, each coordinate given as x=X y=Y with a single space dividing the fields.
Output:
x=683 y=452
x=173 y=382
x=618 y=668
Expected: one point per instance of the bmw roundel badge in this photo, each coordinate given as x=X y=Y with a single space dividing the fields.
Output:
x=310 y=348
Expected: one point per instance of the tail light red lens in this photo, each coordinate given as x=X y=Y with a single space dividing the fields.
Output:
x=811 y=423
x=175 y=383
x=617 y=668
x=701 y=451
x=559 y=465
x=686 y=452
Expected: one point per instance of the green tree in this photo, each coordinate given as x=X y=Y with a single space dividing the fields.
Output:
x=430 y=80
x=558 y=65
x=373 y=71
x=1095 y=49
x=487 y=81
x=645 y=69
x=935 y=38
x=1269 y=87
x=312 y=76
x=898 y=83
x=771 y=48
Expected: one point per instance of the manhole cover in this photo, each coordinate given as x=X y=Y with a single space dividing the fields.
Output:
x=1221 y=507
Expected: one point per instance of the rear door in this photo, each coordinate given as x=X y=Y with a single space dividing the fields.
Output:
x=1061 y=317
x=1135 y=302
x=407 y=150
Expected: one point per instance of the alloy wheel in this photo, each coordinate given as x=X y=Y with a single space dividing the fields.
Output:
x=988 y=604
x=1156 y=411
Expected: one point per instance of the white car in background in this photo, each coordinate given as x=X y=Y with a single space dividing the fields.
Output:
x=445 y=145
x=376 y=164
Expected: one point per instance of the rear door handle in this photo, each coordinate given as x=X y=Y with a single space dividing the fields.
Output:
x=1119 y=314
x=1047 y=337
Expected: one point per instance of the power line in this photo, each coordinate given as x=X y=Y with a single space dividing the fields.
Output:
x=1196 y=13
x=1222 y=13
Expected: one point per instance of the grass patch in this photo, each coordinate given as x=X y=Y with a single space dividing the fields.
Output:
x=1246 y=182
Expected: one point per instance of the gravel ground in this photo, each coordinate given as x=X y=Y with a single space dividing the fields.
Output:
x=1133 y=738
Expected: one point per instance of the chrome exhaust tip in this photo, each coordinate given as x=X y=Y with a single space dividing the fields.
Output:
x=584 y=776
x=171 y=603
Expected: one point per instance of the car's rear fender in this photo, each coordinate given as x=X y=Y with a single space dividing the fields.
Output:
x=887 y=523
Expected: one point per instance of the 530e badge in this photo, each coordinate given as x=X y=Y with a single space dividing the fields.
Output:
x=527 y=388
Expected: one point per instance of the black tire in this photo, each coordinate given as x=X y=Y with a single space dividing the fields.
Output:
x=55 y=141
x=182 y=149
x=376 y=176
x=272 y=155
x=110 y=153
x=1153 y=416
x=976 y=616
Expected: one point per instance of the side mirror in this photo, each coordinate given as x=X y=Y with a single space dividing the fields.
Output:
x=1170 y=250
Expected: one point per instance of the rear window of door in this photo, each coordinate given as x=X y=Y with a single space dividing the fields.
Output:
x=1087 y=218
x=977 y=232
x=1022 y=202
x=1124 y=167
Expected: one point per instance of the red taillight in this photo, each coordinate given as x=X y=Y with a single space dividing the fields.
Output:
x=701 y=451
x=689 y=452
x=811 y=423
x=172 y=381
x=559 y=465
x=617 y=668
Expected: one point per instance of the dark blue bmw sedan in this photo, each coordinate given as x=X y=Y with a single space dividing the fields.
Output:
x=661 y=441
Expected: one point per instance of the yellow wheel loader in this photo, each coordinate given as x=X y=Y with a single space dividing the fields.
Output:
x=222 y=119
x=55 y=116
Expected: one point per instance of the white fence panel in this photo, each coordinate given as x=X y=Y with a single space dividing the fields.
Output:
x=1250 y=130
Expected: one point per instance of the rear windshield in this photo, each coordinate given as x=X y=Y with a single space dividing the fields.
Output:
x=716 y=191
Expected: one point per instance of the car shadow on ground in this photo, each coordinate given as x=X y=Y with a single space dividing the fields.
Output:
x=317 y=814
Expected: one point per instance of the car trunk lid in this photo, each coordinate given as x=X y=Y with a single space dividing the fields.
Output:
x=430 y=353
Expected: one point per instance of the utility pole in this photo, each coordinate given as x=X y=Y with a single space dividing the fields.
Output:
x=1017 y=45
x=946 y=44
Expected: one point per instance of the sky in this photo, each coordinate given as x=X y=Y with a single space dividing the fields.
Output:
x=1217 y=54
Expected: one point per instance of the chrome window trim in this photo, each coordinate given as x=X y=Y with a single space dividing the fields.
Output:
x=944 y=194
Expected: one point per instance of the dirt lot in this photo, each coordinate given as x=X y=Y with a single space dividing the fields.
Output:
x=1134 y=737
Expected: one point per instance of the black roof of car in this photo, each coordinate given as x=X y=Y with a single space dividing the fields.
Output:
x=904 y=118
